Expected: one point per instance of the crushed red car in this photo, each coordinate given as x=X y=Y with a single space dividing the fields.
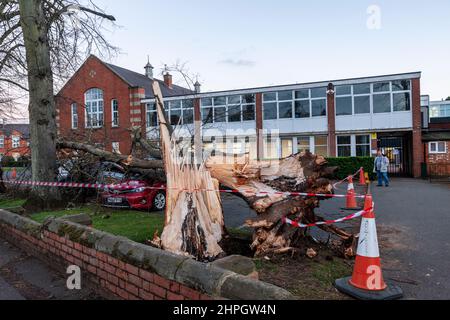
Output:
x=135 y=194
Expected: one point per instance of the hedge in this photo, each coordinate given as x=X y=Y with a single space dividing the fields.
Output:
x=349 y=165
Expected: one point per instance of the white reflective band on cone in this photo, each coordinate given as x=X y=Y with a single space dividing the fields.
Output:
x=351 y=187
x=368 y=240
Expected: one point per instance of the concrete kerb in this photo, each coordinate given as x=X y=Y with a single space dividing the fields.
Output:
x=206 y=278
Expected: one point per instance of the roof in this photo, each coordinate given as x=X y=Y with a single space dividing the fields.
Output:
x=23 y=128
x=135 y=79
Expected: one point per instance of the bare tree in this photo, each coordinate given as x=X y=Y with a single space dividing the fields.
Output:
x=41 y=43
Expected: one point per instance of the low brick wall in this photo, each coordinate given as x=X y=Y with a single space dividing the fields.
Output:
x=122 y=269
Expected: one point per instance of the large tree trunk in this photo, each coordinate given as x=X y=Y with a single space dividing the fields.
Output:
x=42 y=108
x=194 y=221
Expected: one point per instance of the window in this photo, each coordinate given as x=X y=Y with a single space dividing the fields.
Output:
x=286 y=147
x=271 y=148
x=401 y=85
x=302 y=109
x=94 y=108
x=236 y=108
x=344 y=146
x=152 y=116
x=344 y=106
x=402 y=102
x=116 y=147
x=115 y=112
x=381 y=103
x=363 y=88
x=440 y=111
x=15 y=141
x=382 y=87
x=362 y=104
x=303 y=144
x=438 y=147
x=285 y=105
x=319 y=107
x=270 y=106
x=2 y=142
x=321 y=145
x=363 y=146
x=74 y=112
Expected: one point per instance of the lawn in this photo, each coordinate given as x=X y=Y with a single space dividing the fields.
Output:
x=134 y=225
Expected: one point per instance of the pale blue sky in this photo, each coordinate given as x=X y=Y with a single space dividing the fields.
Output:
x=249 y=43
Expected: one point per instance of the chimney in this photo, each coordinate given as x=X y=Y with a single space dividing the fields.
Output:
x=197 y=87
x=149 y=69
x=168 y=79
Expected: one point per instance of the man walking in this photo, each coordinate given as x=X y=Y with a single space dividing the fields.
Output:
x=381 y=165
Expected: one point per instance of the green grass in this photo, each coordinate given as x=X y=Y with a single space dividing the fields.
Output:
x=134 y=225
x=11 y=203
x=328 y=271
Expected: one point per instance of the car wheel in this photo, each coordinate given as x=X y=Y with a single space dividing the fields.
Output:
x=159 y=202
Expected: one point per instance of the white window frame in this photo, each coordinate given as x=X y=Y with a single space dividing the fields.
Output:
x=15 y=142
x=99 y=104
x=74 y=115
x=149 y=112
x=351 y=145
x=443 y=110
x=363 y=144
x=228 y=104
x=115 y=113
x=436 y=143
x=2 y=142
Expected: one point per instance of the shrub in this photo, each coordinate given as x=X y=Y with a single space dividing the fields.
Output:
x=8 y=161
x=349 y=165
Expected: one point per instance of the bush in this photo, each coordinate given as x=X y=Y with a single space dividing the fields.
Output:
x=8 y=161
x=349 y=165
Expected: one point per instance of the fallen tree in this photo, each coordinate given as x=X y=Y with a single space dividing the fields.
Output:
x=194 y=223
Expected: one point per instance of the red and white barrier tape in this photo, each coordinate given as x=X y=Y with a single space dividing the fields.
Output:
x=346 y=179
x=130 y=187
x=328 y=222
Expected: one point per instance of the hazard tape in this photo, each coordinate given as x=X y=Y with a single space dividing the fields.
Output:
x=118 y=186
x=346 y=179
x=328 y=222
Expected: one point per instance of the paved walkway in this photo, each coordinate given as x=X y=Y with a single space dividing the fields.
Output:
x=23 y=277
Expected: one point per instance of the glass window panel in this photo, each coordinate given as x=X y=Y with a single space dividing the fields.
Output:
x=401 y=85
x=319 y=107
x=433 y=147
x=220 y=114
x=152 y=119
x=166 y=105
x=285 y=110
x=188 y=104
x=363 y=151
x=402 y=101
x=271 y=96
x=207 y=115
x=363 y=139
x=302 y=94
x=248 y=113
x=381 y=103
x=381 y=87
x=321 y=151
x=248 y=98
x=361 y=88
x=220 y=101
x=286 y=148
x=270 y=111
x=302 y=109
x=188 y=116
x=321 y=140
x=234 y=113
x=344 y=140
x=284 y=95
x=362 y=104
x=175 y=104
x=344 y=151
x=319 y=92
x=234 y=100
x=206 y=102
x=343 y=90
x=344 y=106
x=175 y=116
x=303 y=144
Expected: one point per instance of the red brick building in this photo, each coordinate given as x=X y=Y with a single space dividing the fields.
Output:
x=14 y=140
x=101 y=102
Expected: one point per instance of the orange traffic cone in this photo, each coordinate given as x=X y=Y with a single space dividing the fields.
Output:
x=362 y=177
x=351 y=196
x=367 y=280
x=14 y=174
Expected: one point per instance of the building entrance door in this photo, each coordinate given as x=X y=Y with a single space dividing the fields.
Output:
x=397 y=150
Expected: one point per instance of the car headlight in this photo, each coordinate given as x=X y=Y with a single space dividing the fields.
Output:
x=141 y=189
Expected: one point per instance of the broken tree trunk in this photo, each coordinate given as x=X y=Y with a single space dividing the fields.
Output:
x=194 y=221
x=259 y=183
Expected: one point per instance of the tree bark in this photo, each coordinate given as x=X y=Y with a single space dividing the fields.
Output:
x=42 y=108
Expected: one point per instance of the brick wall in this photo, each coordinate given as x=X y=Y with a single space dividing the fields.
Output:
x=94 y=74
x=438 y=163
x=8 y=149
x=118 y=268
x=417 y=149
